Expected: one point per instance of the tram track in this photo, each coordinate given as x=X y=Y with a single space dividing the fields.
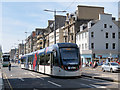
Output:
x=7 y=84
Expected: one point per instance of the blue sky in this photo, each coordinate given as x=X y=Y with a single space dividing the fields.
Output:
x=20 y=17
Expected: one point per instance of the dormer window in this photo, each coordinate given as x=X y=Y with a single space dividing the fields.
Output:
x=92 y=24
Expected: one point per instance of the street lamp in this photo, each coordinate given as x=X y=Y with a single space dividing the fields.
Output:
x=54 y=21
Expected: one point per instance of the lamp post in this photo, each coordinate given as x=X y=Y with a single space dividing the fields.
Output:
x=55 y=11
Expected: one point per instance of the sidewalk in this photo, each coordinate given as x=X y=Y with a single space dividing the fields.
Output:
x=99 y=74
x=1 y=81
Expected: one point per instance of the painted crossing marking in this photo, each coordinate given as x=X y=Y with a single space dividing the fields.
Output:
x=54 y=84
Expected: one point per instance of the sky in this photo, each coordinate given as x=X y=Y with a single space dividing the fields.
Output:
x=20 y=17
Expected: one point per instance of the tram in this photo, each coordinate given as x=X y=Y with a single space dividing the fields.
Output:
x=5 y=59
x=61 y=59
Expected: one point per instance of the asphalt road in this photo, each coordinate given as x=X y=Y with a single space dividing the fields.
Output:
x=19 y=78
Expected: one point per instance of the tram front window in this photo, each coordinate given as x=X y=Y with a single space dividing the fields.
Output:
x=69 y=54
x=70 y=59
x=6 y=59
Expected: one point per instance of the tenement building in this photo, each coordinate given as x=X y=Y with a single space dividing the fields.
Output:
x=98 y=40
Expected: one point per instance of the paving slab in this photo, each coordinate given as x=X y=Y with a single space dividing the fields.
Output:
x=99 y=74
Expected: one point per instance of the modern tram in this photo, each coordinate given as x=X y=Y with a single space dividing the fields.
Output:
x=5 y=59
x=61 y=59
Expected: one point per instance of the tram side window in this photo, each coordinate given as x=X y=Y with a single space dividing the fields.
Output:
x=30 y=59
x=47 y=59
x=38 y=59
x=55 y=60
x=42 y=58
x=23 y=60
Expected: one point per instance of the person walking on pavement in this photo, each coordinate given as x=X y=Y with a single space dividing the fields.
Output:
x=9 y=66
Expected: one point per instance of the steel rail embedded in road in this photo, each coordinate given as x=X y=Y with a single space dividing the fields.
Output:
x=8 y=81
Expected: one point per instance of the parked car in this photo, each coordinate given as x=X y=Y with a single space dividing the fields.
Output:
x=111 y=66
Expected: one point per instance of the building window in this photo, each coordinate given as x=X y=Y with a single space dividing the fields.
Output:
x=106 y=34
x=85 y=34
x=65 y=39
x=86 y=46
x=106 y=45
x=82 y=35
x=113 y=46
x=92 y=45
x=79 y=46
x=71 y=37
x=92 y=34
x=119 y=35
x=40 y=42
x=82 y=46
x=78 y=37
x=110 y=26
x=113 y=35
x=105 y=25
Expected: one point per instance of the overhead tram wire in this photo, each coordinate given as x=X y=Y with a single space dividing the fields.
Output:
x=70 y=5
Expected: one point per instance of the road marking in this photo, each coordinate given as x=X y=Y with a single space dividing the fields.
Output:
x=40 y=77
x=98 y=86
x=90 y=79
x=86 y=85
x=8 y=81
x=21 y=79
x=54 y=84
x=32 y=74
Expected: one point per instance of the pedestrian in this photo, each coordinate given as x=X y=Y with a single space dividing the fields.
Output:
x=9 y=66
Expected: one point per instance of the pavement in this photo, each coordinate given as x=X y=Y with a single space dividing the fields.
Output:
x=97 y=73
x=1 y=80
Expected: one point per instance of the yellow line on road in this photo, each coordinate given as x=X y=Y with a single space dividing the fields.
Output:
x=8 y=82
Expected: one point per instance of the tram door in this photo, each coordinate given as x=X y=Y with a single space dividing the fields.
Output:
x=51 y=62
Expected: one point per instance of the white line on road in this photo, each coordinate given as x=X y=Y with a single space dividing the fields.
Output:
x=54 y=84
x=98 y=86
x=32 y=74
x=95 y=80
x=86 y=85
x=40 y=77
x=21 y=79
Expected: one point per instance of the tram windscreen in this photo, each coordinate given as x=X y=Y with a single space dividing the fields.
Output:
x=69 y=53
x=6 y=59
